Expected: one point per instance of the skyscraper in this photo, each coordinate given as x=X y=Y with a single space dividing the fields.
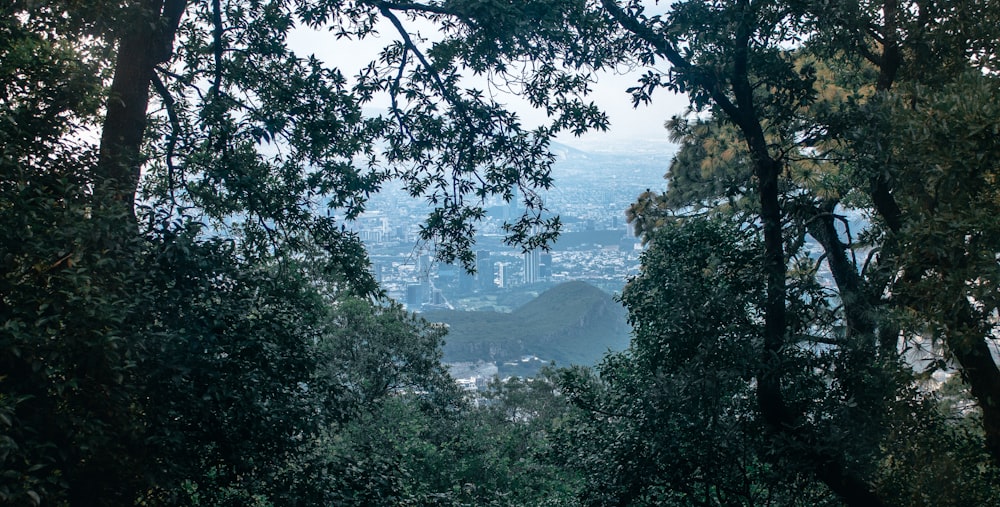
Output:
x=484 y=269
x=532 y=260
x=545 y=265
x=414 y=296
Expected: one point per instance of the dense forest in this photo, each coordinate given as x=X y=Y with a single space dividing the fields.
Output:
x=185 y=318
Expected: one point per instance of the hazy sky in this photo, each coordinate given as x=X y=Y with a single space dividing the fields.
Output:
x=630 y=127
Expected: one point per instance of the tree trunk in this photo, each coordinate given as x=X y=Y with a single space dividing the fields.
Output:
x=774 y=408
x=858 y=307
x=146 y=42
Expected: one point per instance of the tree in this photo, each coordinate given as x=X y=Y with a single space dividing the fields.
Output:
x=213 y=68
x=69 y=419
x=673 y=419
x=937 y=240
x=219 y=150
x=228 y=357
x=848 y=130
x=790 y=124
x=500 y=450
x=370 y=353
x=738 y=70
x=160 y=158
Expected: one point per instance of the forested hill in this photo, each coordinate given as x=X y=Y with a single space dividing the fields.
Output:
x=571 y=323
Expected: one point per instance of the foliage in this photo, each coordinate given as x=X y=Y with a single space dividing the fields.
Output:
x=672 y=420
x=496 y=452
x=68 y=418
x=228 y=356
x=267 y=156
x=369 y=353
x=174 y=186
x=936 y=452
x=941 y=158
x=68 y=370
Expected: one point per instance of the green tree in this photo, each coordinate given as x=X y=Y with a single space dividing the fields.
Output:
x=935 y=236
x=228 y=361
x=69 y=420
x=853 y=150
x=499 y=449
x=227 y=86
x=729 y=57
x=371 y=352
x=382 y=390
x=162 y=158
x=673 y=419
x=791 y=123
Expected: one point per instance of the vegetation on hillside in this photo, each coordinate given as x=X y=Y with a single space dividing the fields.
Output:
x=571 y=323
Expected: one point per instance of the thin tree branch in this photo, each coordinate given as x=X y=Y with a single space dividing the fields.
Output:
x=666 y=49
x=175 y=129
x=217 y=49
x=433 y=9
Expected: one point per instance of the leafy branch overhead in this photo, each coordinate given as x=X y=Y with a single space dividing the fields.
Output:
x=253 y=137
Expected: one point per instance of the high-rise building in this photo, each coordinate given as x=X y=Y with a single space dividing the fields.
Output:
x=437 y=298
x=414 y=296
x=447 y=275
x=466 y=281
x=372 y=227
x=503 y=272
x=545 y=265
x=484 y=269
x=532 y=260
x=424 y=264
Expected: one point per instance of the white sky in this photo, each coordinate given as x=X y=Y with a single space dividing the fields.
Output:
x=631 y=128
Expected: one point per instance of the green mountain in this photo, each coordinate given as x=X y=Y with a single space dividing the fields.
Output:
x=571 y=323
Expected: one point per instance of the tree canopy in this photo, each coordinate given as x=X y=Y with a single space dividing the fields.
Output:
x=800 y=120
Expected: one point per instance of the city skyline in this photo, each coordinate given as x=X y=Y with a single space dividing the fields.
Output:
x=591 y=194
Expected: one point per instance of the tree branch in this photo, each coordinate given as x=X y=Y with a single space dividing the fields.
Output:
x=417 y=7
x=666 y=49
x=217 y=49
x=175 y=128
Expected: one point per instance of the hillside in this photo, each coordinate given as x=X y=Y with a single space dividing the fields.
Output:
x=571 y=323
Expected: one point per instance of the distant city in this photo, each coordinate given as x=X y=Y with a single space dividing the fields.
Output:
x=591 y=193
